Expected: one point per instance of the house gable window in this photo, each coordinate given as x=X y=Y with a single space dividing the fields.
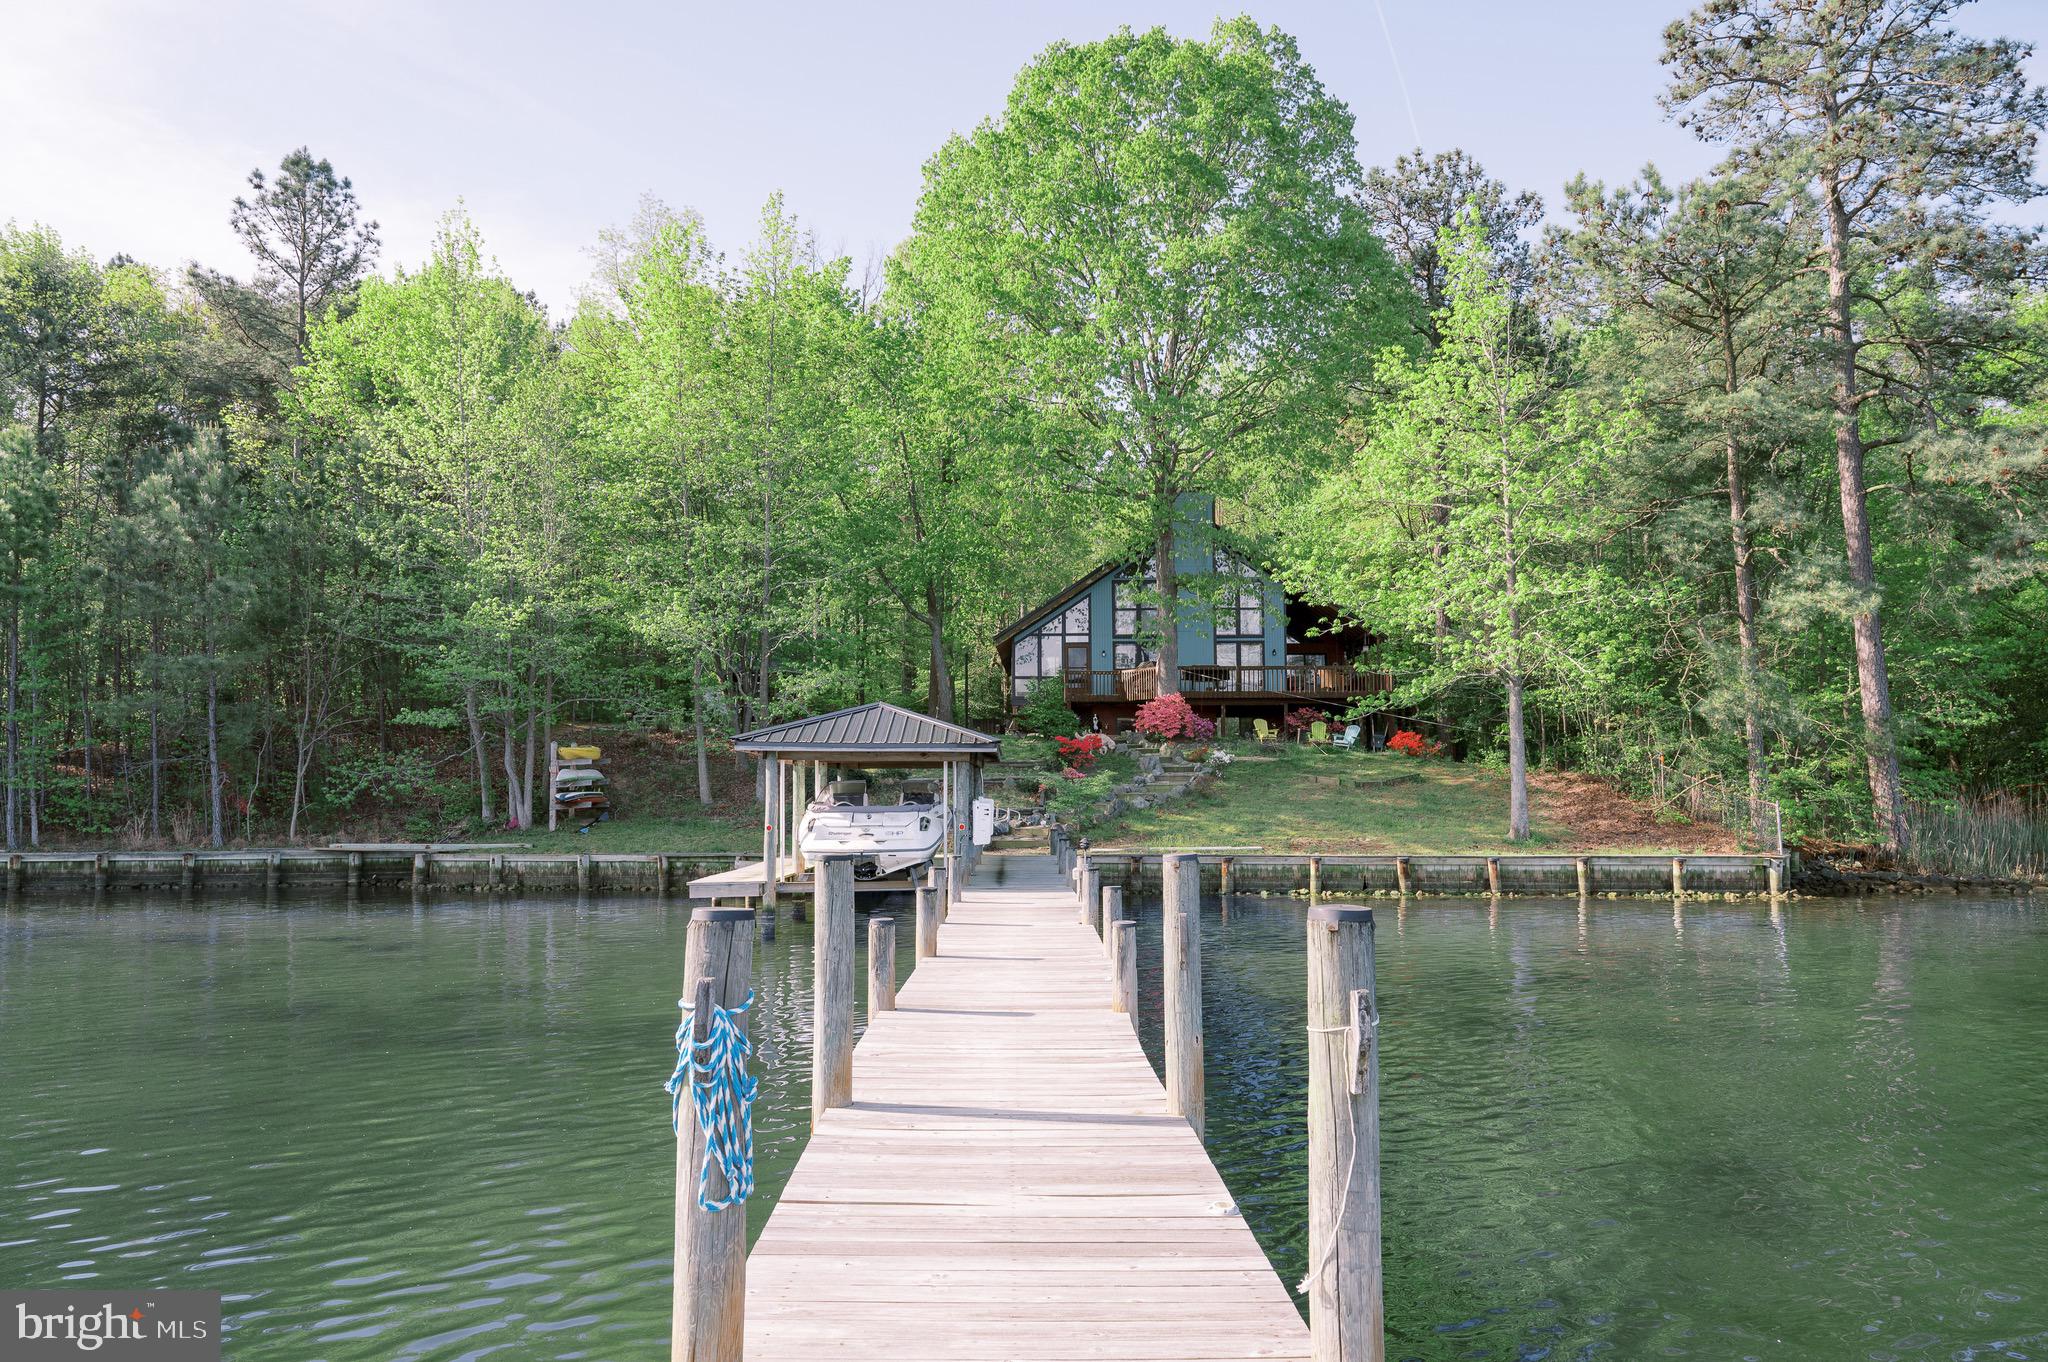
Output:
x=1058 y=645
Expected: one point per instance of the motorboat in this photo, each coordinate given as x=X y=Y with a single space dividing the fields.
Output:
x=882 y=838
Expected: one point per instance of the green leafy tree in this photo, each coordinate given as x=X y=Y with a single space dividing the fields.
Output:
x=1161 y=241
x=1494 y=436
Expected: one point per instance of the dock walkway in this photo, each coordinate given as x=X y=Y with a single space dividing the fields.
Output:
x=1007 y=1183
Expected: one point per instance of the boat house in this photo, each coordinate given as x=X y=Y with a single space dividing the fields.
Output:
x=1247 y=649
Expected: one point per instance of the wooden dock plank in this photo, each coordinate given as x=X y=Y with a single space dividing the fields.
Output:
x=1007 y=1183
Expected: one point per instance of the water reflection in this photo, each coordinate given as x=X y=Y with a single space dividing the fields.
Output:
x=1609 y=1128
x=382 y=1130
x=1623 y=1129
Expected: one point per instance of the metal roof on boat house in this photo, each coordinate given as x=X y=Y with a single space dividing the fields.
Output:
x=878 y=729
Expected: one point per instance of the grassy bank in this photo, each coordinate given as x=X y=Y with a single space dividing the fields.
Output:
x=1291 y=799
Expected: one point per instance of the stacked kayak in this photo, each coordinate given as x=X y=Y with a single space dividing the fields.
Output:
x=579 y=789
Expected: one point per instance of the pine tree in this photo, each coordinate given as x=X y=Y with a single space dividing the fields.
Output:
x=1905 y=131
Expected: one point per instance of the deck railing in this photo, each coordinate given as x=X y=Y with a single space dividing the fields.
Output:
x=1282 y=681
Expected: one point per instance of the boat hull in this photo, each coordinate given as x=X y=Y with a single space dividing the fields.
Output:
x=882 y=839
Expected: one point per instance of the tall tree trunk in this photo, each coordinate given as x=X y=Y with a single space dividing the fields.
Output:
x=156 y=750
x=1440 y=521
x=1881 y=756
x=1167 y=581
x=1518 y=737
x=697 y=735
x=482 y=762
x=518 y=809
x=13 y=715
x=939 y=690
x=156 y=774
x=213 y=809
x=532 y=740
x=1518 y=757
x=304 y=740
x=1745 y=589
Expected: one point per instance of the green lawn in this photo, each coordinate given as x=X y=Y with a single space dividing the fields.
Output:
x=1294 y=799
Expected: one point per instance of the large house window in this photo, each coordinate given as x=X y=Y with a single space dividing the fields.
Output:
x=1058 y=645
x=1240 y=621
x=1131 y=616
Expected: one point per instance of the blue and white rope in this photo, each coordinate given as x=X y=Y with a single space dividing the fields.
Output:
x=721 y=1098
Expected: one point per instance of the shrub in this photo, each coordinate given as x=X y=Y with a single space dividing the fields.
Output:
x=1080 y=753
x=1045 y=708
x=1171 y=716
x=1409 y=743
x=1300 y=720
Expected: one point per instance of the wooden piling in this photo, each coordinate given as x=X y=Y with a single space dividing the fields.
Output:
x=583 y=873
x=1123 y=995
x=273 y=869
x=1181 y=882
x=355 y=874
x=187 y=874
x=1493 y=876
x=1678 y=877
x=1346 y=1320
x=1585 y=877
x=1224 y=876
x=1091 y=890
x=881 y=966
x=14 y=874
x=708 y=1306
x=660 y=874
x=99 y=873
x=1401 y=873
x=419 y=873
x=1315 y=880
x=927 y=921
x=1112 y=910
x=832 y=990
x=1776 y=871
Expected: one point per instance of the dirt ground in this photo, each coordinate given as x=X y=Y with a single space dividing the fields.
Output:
x=1598 y=816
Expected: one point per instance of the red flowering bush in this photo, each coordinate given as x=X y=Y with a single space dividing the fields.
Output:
x=1302 y=719
x=1171 y=716
x=1409 y=743
x=1080 y=753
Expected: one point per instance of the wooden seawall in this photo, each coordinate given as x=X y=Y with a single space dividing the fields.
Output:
x=1007 y=1182
x=385 y=871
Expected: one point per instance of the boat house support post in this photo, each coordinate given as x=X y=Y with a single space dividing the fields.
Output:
x=771 y=781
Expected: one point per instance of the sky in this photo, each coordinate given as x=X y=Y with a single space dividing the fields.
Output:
x=130 y=125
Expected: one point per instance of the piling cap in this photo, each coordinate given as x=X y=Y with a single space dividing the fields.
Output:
x=1340 y=912
x=721 y=915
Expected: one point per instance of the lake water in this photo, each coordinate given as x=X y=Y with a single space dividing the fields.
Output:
x=388 y=1132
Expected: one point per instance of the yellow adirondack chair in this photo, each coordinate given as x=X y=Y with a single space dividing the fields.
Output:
x=1318 y=732
x=1263 y=731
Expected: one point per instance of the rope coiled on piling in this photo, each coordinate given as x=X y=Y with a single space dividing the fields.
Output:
x=721 y=1097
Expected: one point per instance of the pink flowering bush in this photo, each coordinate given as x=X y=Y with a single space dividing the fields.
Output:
x=1171 y=716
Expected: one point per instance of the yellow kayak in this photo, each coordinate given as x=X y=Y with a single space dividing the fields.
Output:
x=578 y=753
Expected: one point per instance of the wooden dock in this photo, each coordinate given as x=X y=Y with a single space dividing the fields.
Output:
x=1007 y=1182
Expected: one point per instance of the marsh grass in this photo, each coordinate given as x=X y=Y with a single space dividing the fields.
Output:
x=1999 y=836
